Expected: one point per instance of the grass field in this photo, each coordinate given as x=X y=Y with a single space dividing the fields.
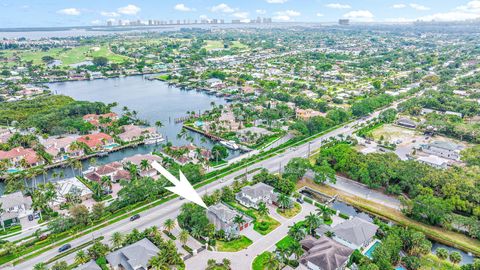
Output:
x=436 y=233
x=234 y=245
x=259 y=262
x=218 y=45
x=265 y=224
x=289 y=213
x=70 y=56
x=433 y=262
x=285 y=243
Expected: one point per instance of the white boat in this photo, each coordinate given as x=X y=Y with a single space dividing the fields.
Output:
x=230 y=144
x=154 y=139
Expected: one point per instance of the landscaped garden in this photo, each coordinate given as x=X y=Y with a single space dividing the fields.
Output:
x=290 y=212
x=263 y=223
x=234 y=245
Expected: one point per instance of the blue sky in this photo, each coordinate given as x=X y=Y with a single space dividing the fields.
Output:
x=32 y=13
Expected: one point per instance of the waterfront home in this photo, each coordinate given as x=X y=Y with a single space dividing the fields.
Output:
x=226 y=121
x=70 y=188
x=134 y=256
x=355 y=233
x=59 y=148
x=324 y=253
x=307 y=113
x=19 y=157
x=133 y=133
x=222 y=217
x=252 y=134
x=100 y=119
x=147 y=171
x=96 y=141
x=188 y=153
x=443 y=149
x=15 y=206
x=252 y=196
x=114 y=171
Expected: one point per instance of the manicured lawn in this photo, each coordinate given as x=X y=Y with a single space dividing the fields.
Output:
x=259 y=262
x=286 y=242
x=238 y=45
x=289 y=213
x=265 y=224
x=234 y=245
x=433 y=262
x=213 y=45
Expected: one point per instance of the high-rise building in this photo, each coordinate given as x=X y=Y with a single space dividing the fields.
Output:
x=344 y=21
x=109 y=23
x=120 y=22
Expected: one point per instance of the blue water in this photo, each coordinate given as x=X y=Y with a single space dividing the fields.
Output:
x=12 y=170
x=369 y=252
x=400 y=268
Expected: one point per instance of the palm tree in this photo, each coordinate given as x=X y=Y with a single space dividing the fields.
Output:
x=40 y=266
x=117 y=240
x=169 y=224
x=312 y=221
x=296 y=249
x=158 y=124
x=239 y=220
x=92 y=162
x=144 y=164
x=196 y=233
x=271 y=262
x=297 y=232
x=284 y=202
x=81 y=257
x=226 y=263
x=183 y=237
x=324 y=211
x=263 y=209
x=106 y=182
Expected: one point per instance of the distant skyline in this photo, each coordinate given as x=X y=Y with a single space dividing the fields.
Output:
x=49 y=13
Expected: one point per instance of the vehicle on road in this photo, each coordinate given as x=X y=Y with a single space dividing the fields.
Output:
x=299 y=200
x=64 y=247
x=134 y=217
x=30 y=217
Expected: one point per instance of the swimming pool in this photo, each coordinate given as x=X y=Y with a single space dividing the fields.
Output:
x=111 y=146
x=13 y=170
x=400 y=268
x=370 y=250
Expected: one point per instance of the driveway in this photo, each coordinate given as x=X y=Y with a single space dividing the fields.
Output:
x=243 y=259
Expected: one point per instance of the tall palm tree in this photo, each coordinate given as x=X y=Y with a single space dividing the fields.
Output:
x=183 y=237
x=169 y=224
x=296 y=249
x=239 y=220
x=144 y=164
x=81 y=257
x=117 y=240
x=297 y=232
x=271 y=262
x=312 y=221
x=263 y=209
x=40 y=266
x=158 y=124
x=284 y=202
x=226 y=263
x=324 y=211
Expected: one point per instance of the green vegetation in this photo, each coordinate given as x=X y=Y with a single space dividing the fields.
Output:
x=234 y=245
x=289 y=213
x=260 y=261
x=286 y=242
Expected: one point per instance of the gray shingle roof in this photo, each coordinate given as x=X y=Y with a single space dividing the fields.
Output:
x=355 y=230
x=134 y=256
x=325 y=252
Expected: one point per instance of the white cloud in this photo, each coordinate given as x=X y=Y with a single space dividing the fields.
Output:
x=260 y=11
x=338 y=6
x=470 y=11
x=203 y=17
x=472 y=6
x=96 y=22
x=183 y=7
x=320 y=15
x=419 y=7
x=399 y=20
x=359 y=15
x=222 y=8
x=129 y=10
x=241 y=15
x=399 y=6
x=276 y=1
x=69 y=11
x=109 y=14
x=286 y=15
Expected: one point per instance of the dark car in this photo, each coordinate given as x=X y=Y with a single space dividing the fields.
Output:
x=30 y=217
x=64 y=247
x=299 y=200
x=134 y=217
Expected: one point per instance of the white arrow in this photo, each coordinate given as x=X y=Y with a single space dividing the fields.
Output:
x=181 y=187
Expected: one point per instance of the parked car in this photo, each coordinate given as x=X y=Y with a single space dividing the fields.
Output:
x=43 y=236
x=134 y=217
x=299 y=200
x=64 y=247
x=36 y=215
x=30 y=217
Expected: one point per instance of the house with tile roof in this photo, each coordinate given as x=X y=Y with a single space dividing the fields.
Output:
x=17 y=154
x=113 y=170
x=133 y=257
x=96 y=141
x=324 y=253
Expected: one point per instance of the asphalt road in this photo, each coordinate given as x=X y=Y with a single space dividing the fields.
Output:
x=170 y=209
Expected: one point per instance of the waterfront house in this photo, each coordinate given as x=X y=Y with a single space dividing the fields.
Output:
x=96 y=141
x=221 y=216
x=100 y=119
x=324 y=253
x=71 y=187
x=252 y=196
x=443 y=149
x=59 y=148
x=113 y=170
x=15 y=206
x=16 y=156
x=355 y=233
x=133 y=133
x=137 y=161
x=135 y=256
